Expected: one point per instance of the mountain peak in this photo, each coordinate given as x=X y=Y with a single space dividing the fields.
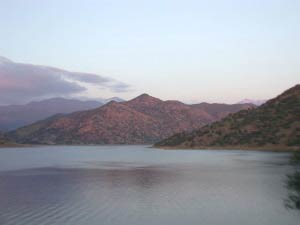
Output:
x=144 y=95
x=145 y=99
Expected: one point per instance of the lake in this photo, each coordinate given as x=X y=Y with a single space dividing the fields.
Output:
x=138 y=185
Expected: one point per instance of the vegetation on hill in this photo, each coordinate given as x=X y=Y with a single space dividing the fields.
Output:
x=2 y=139
x=274 y=125
x=4 y=142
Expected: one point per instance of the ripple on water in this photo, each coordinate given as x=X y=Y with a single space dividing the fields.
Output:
x=205 y=188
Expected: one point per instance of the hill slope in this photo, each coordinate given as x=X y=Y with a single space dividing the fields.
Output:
x=144 y=119
x=4 y=142
x=274 y=125
x=2 y=137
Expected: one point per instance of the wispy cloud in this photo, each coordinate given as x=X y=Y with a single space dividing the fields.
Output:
x=23 y=82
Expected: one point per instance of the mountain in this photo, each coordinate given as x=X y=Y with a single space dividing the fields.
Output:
x=275 y=125
x=256 y=102
x=144 y=119
x=116 y=99
x=14 y=116
x=219 y=111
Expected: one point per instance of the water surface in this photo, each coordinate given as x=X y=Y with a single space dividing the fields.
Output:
x=137 y=185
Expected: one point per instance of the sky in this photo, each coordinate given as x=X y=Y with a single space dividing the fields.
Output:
x=192 y=51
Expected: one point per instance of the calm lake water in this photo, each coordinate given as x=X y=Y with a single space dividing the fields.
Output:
x=137 y=185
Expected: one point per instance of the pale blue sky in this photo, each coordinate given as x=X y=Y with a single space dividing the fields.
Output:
x=215 y=51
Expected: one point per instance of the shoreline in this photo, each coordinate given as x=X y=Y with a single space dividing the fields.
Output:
x=177 y=148
x=233 y=148
x=14 y=145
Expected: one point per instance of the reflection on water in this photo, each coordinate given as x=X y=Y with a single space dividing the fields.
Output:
x=293 y=184
x=135 y=185
x=84 y=196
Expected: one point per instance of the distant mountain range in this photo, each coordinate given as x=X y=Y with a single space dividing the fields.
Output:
x=257 y=102
x=144 y=119
x=15 y=116
x=275 y=125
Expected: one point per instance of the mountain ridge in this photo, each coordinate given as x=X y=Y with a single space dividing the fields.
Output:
x=144 y=119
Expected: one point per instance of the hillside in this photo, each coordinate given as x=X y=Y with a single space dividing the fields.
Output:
x=274 y=125
x=4 y=142
x=2 y=139
x=144 y=119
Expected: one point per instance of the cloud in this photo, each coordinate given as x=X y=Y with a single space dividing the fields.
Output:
x=21 y=83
